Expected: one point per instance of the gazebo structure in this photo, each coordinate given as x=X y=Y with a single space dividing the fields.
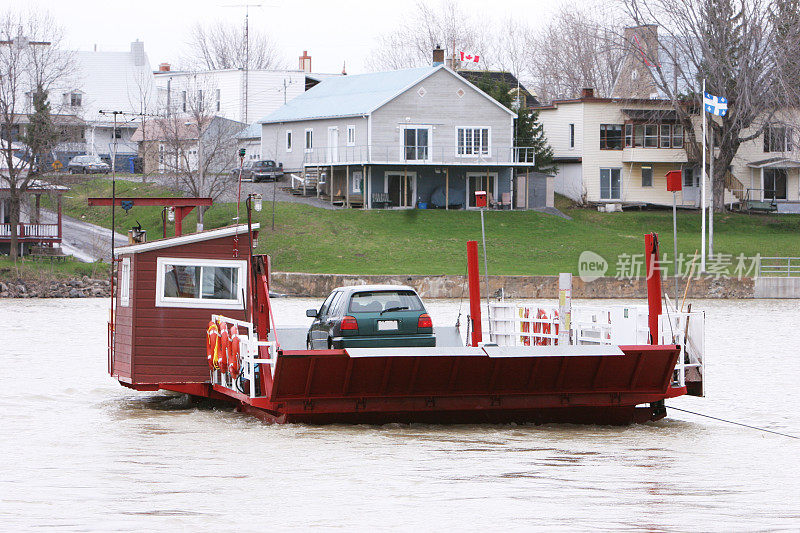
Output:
x=31 y=231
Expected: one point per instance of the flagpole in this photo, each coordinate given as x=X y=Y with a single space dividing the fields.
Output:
x=711 y=207
x=703 y=186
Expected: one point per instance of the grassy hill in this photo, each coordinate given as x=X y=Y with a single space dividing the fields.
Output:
x=308 y=239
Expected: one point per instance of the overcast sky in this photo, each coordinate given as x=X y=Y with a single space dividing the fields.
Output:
x=332 y=31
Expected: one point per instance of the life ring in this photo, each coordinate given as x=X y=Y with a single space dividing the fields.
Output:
x=233 y=354
x=525 y=326
x=222 y=348
x=545 y=329
x=212 y=335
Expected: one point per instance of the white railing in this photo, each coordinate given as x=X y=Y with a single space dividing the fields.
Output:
x=779 y=267
x=249 y=353
x=31 y=230
x=617 y=325
x=413 y=155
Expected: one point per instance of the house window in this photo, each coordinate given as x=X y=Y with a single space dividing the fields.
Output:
x=125 y=282
x=610 y=184
x=351 y=135
x=183 y=101
x=775 y=184
x=415 y=144
x=200 y=100
x=186 y=282
x=651 y=136
x=309 y=140
x=677 y=136
x=647 y=176
x=472 y=142
x=219 y=94
x=118 y=133
x=611 y=136
x=628 y=135
x=666 y=136
x=572 y=136
x=75 y=99
x=778 y=139
x=288 y=140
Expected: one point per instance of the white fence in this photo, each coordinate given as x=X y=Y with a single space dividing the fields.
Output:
x=617 y=325
x=249 y=354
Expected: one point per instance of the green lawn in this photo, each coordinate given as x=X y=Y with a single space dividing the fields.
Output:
x=308 y=239
x=27 y=268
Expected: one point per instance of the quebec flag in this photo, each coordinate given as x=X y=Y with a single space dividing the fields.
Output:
x=716 y=105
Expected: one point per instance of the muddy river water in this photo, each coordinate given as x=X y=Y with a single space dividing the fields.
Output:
x=80 y=452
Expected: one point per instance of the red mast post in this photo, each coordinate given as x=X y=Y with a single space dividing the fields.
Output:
x=652 y=265
x=474 y=291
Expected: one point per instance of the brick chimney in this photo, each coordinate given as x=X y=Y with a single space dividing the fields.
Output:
x=634 y=79
x=305 y=62
x=438 y=56
x=137 y=49
x=164 y=67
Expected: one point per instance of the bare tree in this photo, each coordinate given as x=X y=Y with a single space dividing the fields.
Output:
x=200 y=148
x=222 y=46
x=740 y=48
x=31 y=61
x=142 y=96
x=411 y=43
x=577 y=48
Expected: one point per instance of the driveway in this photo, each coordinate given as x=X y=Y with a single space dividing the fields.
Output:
x=86 y=242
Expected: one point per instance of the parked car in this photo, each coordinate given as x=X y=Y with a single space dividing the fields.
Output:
x=87 y=164
x=256 y=171
x=368 y=316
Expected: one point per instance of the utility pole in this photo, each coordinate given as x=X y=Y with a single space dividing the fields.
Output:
x=246 y=55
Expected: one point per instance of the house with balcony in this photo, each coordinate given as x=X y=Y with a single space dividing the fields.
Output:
x=419 y=137
x=618 y=150
x=32 y=230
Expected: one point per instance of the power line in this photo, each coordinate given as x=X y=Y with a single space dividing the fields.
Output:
x=735 y=423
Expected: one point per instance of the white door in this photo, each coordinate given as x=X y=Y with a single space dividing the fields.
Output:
x=691 y=186
x=333 y=144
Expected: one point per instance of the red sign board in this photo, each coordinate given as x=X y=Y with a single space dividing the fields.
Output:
x=674 y=180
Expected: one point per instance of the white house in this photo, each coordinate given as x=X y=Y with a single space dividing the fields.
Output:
x=406 y=138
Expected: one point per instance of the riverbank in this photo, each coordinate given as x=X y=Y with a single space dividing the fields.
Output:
x=432 y=242
x=58 y=279
x=522 y=287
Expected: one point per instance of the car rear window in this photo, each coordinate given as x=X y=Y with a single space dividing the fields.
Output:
x=377 y=301
x=263 y=164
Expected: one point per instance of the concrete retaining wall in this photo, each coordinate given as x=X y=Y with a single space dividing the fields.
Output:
x=320 y=285
x=777 y=288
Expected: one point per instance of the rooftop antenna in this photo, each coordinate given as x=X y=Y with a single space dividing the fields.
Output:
x=246 y=53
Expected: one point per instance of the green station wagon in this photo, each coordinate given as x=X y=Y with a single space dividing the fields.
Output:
x=370 y=316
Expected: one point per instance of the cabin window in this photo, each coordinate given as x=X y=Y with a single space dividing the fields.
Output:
x=309 y=140
x=219 y=98
x=473 y=142
x=572 y=136
x=288 y=140
x=651 y=136
x=351 y=135
x=666 y=135
x=125 y=282
x=778 y=139
x=184 y=282
x=677 y=136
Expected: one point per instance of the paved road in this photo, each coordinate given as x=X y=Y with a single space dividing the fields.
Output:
x=87 y=242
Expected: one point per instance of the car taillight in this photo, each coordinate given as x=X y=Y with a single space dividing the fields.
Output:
x=424 y=321
x=349 y=323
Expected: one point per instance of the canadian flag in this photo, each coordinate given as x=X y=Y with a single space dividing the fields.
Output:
x=466 y=56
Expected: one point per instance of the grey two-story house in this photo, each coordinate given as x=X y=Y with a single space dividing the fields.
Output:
x=407 y=138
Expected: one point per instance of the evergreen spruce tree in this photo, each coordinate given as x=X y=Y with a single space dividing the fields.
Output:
x=528 y=131
x=41 y=134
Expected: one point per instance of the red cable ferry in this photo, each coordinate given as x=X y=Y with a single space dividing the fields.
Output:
x=193 y=315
